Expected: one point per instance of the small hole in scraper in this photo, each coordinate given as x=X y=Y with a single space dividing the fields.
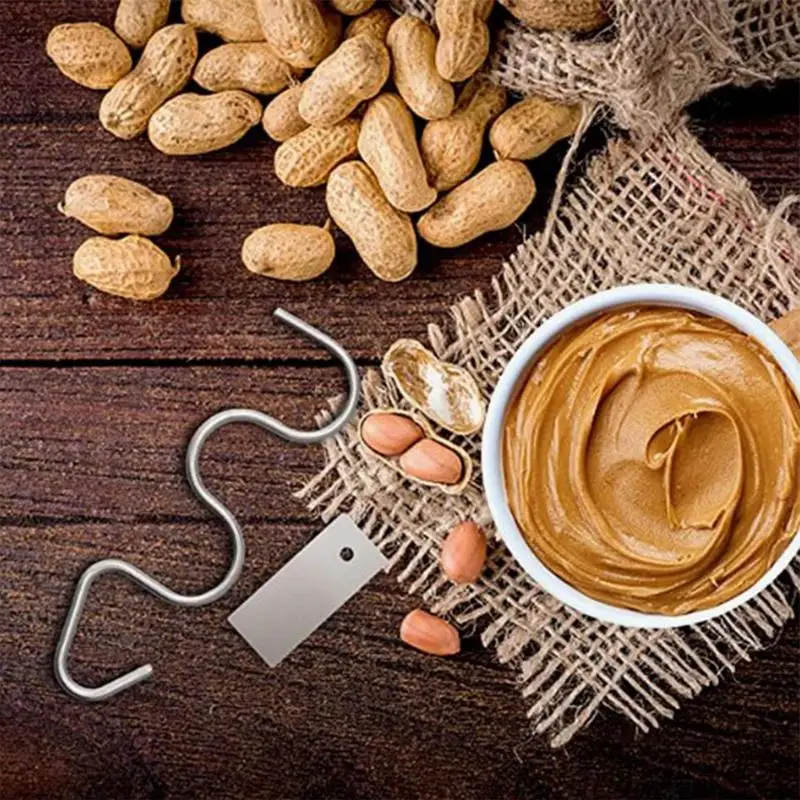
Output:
x=346 y=554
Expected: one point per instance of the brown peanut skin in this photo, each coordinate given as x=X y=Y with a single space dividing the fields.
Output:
x=388 y=144
x=164 y=68
x=352 y=8
x=463 y=37
x=308 y=158
x=383 y=236
x=375 y=23
x=412 y=45
x=302 y=32
x=529 y=128
x=282 y=119
x=89 y=54
x=432 y=461
x=451 y=147
x=430 y=634
x=191 y=124
x=489 y=201
x=565 y=15
x=463 y=554
x=132 y=267
x=390 y=434
x=137 y=20
x=231 y=20
x=249 y=66
x=788 y=328
x=289 y=252
x=355 y=72
x=112 y=205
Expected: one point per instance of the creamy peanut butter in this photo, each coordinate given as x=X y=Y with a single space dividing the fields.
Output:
x=652 y=460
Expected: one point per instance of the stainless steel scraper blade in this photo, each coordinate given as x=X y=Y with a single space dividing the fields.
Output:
x=298 y=598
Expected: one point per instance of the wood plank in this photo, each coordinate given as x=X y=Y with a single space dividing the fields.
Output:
x=107 y=444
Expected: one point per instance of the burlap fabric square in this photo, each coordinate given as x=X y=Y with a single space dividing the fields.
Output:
x=654 y=207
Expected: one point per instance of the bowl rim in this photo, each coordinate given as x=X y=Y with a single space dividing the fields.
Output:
x=491 y=450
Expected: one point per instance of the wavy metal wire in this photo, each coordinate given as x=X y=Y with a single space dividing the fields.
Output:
x=193 y=451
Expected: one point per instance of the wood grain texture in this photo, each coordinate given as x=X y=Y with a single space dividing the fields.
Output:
x=97 y=400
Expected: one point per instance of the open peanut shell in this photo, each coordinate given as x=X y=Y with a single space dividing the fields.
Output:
x=393 y=462
x=445 y=393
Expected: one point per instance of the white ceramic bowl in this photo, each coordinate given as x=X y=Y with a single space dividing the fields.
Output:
x=512 y=379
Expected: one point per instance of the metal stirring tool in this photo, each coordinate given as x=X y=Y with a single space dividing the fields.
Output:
x=193 y=451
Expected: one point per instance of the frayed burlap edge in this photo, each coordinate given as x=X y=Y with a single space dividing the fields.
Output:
x=665 y=212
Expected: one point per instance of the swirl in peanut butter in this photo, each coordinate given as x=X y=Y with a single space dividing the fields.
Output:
x=652 y=460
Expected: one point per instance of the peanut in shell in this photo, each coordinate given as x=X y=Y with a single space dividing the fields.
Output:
x=463 y=37
x=491 y=200
x=191 y=124
x=388 y=144
x=281 y=120
x=89 y=54
x=308 y=158
x=302 y=32
x=112 y=205
x=137 y=20
x=289 y=252
x=355 y=72
x=451 y=147
x=561 y=15
x=375 y=23
x=164 y=68
x=383 y=236
x=250 y=66
x=132 y=267
x=428 y=460
x=231 y=20
x=412 y=45
x=529 y=128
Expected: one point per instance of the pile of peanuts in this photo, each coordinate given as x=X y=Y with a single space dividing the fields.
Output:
x=351 y=123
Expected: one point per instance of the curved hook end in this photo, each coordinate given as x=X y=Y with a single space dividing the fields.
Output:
x=107 y=690
x=353 y=383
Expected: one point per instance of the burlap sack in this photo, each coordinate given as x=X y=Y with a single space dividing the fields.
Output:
x=659 y=56
x=655 y=207
x=656 y=58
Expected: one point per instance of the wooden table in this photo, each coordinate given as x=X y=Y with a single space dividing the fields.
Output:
x=97 y=399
